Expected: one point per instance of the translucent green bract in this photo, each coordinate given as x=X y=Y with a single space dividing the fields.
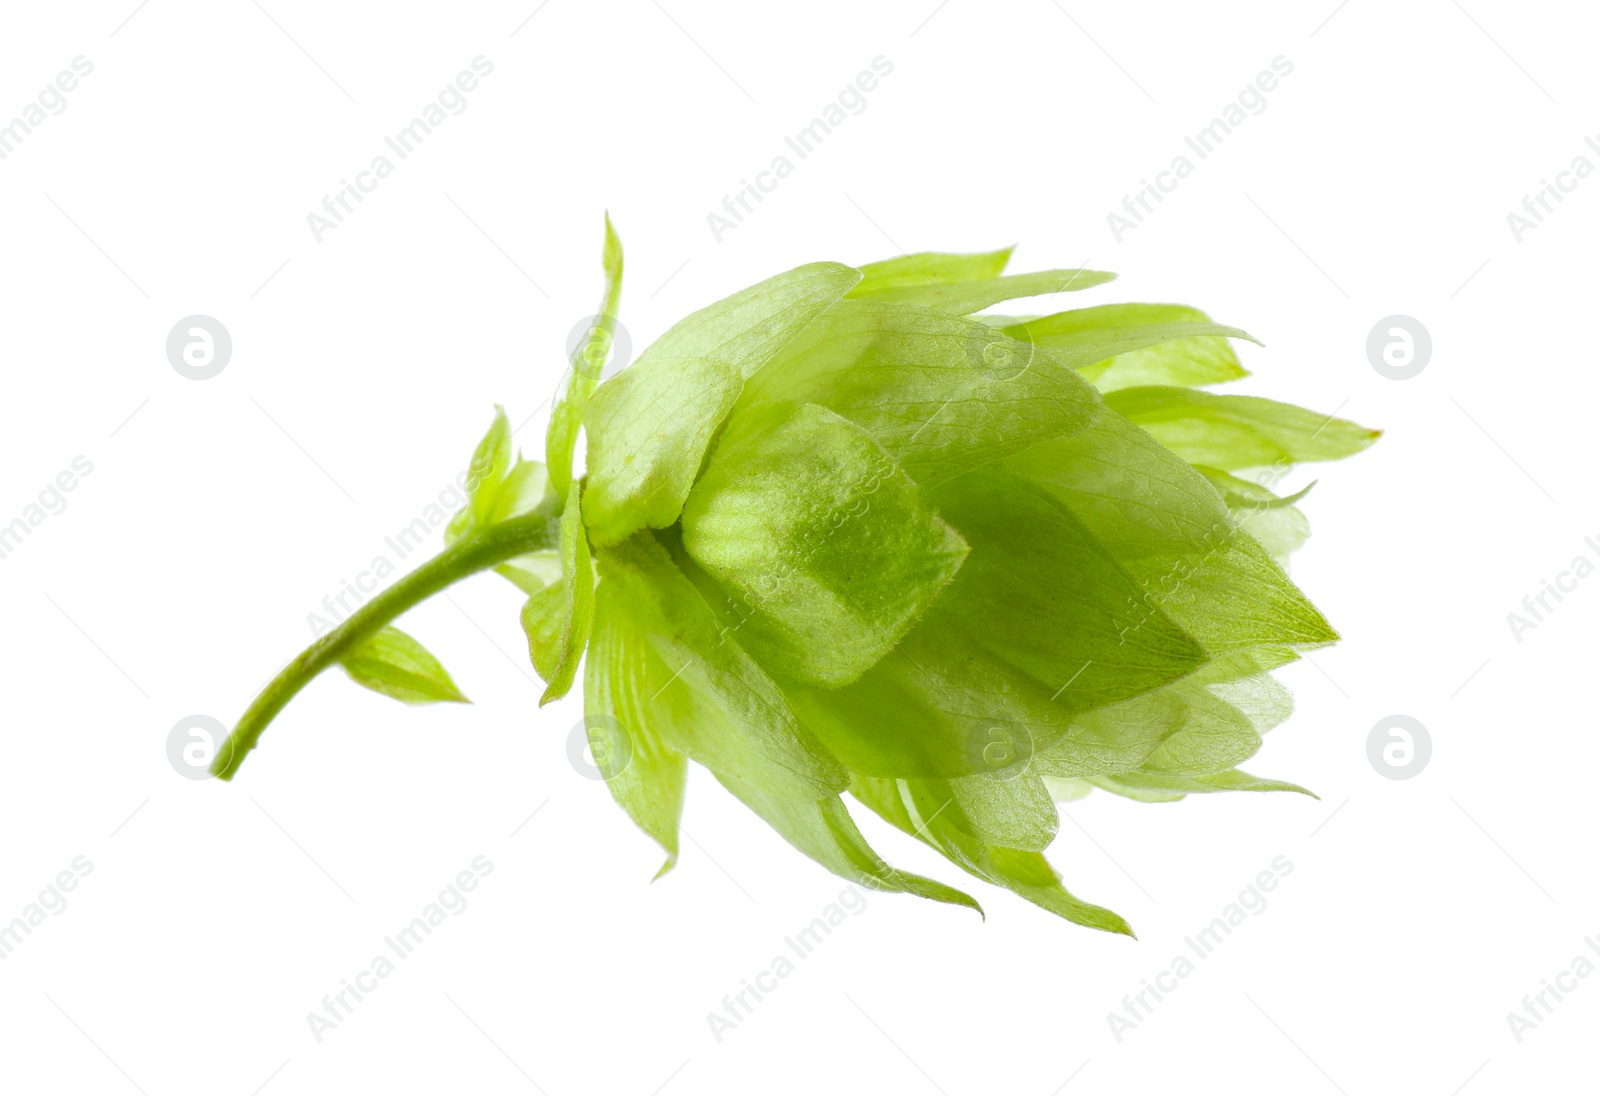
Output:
x=649 y=426
x=830 y=547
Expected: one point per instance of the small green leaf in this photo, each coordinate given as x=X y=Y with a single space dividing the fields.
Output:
x=823 y=537
x=486 y=474
x=1234 y=432
x=650 y=425
x=930 y=268
x=532 y=572
x=487 y=478
x=545 y=617
x=526 y=488
x=962 y=298
x=460 y=524
x=583 y=373
x=392 y=663
x=557 y=618
x=623 y=686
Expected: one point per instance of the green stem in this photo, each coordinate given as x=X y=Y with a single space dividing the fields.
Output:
x=536 y=531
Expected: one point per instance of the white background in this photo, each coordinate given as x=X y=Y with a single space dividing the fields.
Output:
x=219 y=513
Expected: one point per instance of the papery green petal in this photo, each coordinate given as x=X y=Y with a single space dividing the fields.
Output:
x=1012 y=810
x=626 y=700
x=930 y=268
x=774 y=767
x=650 y=425
x=1182 y=346
x=1280 y=532
x=583 y=372
x=1264 y=700
x=1148 y=720
x=1203 y=595
x=392 y=663
x=824 y=831
x=1216 y=715
x=744 y=724
x=544 y=617
x=1233 y=432
x=824 y=538
x=1211 y=720
x=1275 y=522
x=919 y=811
x=1204 y=723
x=941 y=393
x=1042 y=593
x=1215 y=736
x=1166 y=788
x=1155 y=793
x=965 y=297
x=1243 y=495
x=1171 y=531
x=925 y=710
x=557 y=618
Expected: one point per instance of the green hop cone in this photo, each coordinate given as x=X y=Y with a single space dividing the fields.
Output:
x=849 y=532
